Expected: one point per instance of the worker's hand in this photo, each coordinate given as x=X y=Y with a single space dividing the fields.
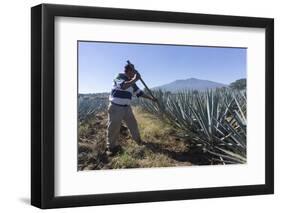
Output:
x=137 y=76
x=154 y=99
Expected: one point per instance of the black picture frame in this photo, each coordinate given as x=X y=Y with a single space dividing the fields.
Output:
x=43 y=102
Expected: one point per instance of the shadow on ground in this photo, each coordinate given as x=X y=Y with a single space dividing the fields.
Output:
x=195 y=158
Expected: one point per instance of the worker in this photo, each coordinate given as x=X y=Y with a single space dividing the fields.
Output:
x=119 y=109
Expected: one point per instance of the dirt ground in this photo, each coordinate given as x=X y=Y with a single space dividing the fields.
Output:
x=161 y=146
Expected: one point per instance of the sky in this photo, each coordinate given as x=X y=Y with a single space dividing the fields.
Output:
x=100 y=62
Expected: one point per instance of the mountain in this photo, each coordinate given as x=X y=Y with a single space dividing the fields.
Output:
x=190 y=83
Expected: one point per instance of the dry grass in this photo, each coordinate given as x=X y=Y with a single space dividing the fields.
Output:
x=150 y=126
x=159 y=149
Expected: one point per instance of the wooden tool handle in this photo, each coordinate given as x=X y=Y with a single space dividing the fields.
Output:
x=142 y=81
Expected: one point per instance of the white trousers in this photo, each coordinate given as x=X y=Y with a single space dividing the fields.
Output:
x=117 y=114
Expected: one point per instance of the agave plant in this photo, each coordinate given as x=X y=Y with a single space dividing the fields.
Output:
x=89 y=105
x=215 y=119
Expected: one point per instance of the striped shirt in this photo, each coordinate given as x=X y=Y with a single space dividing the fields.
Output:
x=123 y=96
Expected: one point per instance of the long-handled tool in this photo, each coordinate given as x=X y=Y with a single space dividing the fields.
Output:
x=144 y=84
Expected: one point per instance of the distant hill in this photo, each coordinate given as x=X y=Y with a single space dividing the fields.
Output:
x=190 y=83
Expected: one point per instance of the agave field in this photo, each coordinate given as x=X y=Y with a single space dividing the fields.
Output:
x=90 y=104
x=214 y=121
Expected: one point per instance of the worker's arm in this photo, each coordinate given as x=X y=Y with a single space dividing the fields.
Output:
x=148 y=97
x=127 y=84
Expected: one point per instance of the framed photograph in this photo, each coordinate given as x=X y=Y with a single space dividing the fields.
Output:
x=139 y=106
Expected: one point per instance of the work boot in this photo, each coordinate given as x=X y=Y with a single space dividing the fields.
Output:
x=113 y=151
x=140 y=141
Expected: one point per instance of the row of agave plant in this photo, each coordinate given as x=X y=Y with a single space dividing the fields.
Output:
x=214 y=120
x=89 y=105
